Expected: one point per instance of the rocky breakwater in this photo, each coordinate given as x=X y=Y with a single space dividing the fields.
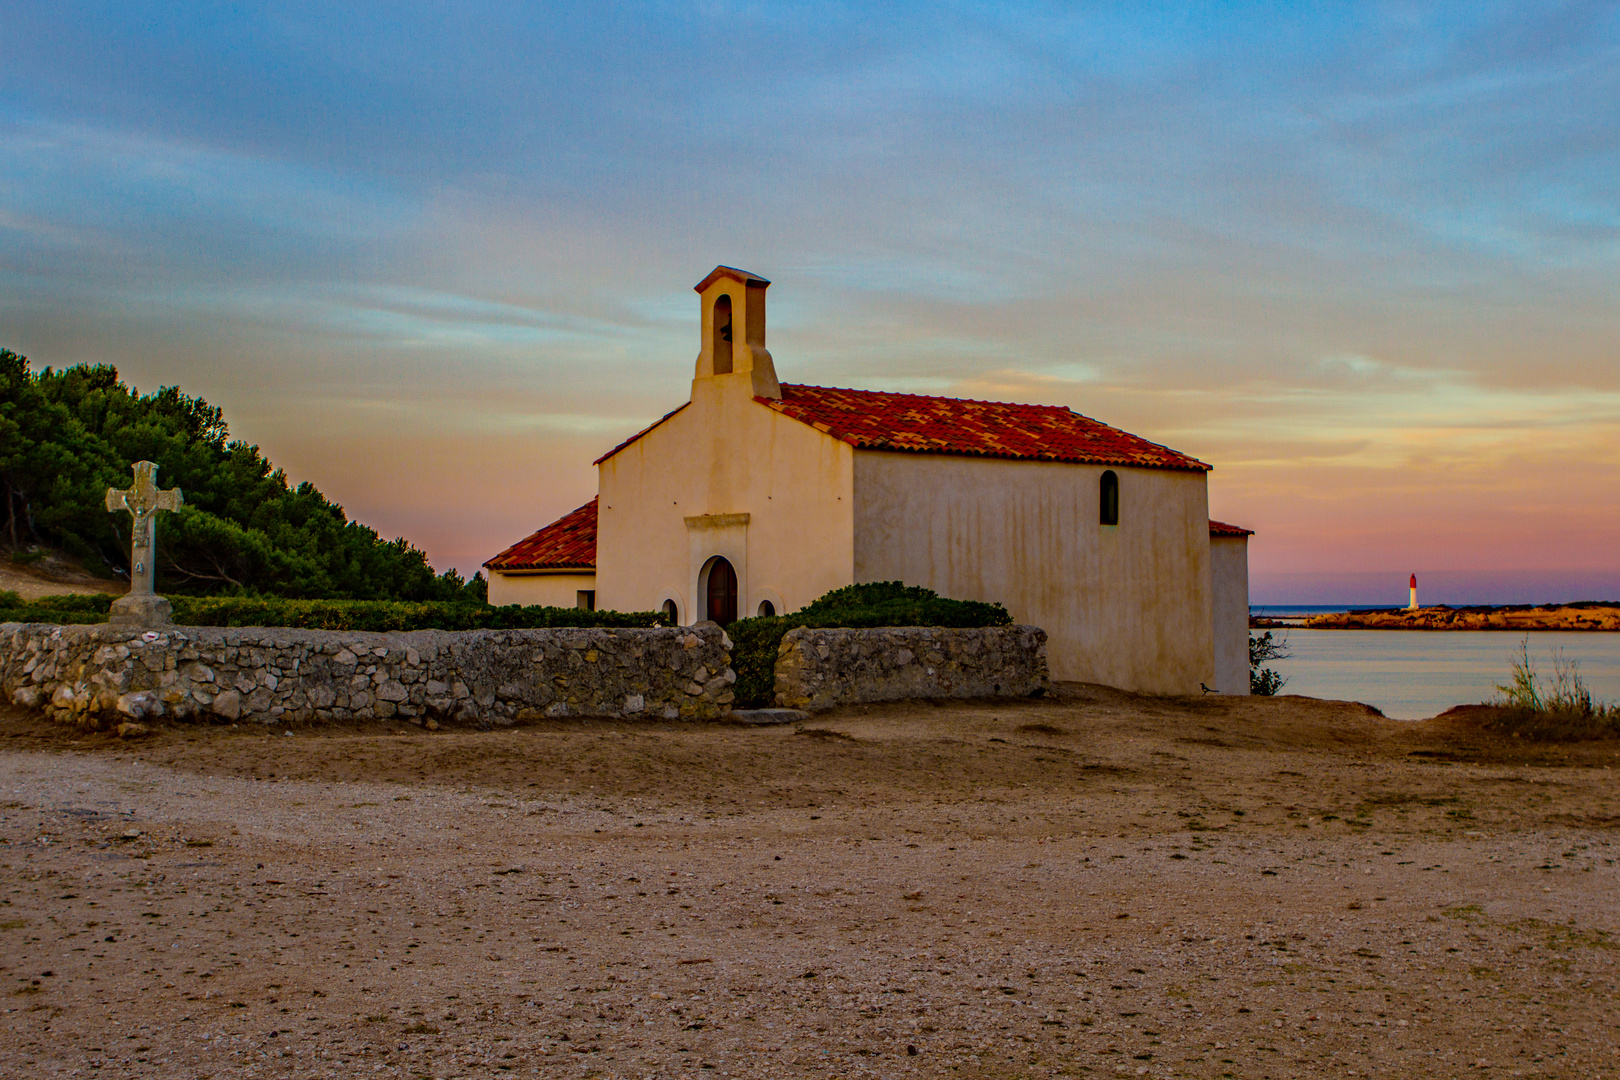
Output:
x=1550 y=617
x=103 y=675
x=820 y=668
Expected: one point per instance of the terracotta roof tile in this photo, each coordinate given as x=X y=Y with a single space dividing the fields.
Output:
x=1221 y=528
x=569 y=543
x=876 y=420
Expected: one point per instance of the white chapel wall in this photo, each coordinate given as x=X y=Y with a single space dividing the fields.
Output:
x=1126 y=605
x=1229 y=569
x=725 y=454
x=551 y=590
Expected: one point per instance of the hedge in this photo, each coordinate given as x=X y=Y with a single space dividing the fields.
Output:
x=55 y=609
x=374 y=615
x=757 y=642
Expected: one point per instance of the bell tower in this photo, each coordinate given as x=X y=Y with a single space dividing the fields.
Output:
x=733 y=320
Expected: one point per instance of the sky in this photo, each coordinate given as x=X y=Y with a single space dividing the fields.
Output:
x=1363 y=258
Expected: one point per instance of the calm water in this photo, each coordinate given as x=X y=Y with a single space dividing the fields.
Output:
x=1410 y=674
x=1300 y=611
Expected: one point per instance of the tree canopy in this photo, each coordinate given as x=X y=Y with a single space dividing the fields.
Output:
x=66 y=436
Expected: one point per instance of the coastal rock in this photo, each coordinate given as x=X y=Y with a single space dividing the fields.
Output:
x=1523 y=618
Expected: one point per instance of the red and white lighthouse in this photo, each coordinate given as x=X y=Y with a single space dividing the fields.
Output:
x=1411 y=603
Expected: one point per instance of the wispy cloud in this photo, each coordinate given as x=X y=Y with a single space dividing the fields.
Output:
x=1363 y=258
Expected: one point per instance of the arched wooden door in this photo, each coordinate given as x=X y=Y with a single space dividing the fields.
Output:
x=722 y=593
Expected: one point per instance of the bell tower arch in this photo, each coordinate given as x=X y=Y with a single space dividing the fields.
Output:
x=733 y=307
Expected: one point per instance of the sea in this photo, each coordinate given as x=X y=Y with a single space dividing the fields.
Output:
x=1413 y=674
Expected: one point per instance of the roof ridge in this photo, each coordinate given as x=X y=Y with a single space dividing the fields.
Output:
x=936 y=397
x=936 y=424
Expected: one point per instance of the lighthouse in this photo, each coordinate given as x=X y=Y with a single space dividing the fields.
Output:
x=1411 y=603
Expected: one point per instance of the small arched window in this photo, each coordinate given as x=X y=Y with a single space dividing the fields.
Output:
x=766 y=609
x=672 y=614
x=722 y=336
x=1108 y=499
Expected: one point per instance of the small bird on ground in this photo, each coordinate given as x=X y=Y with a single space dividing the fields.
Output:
x=1206 y=689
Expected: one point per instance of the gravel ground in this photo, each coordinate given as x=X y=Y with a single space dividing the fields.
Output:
x=1092 y=884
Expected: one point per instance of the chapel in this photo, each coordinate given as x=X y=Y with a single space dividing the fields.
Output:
x=755 y=497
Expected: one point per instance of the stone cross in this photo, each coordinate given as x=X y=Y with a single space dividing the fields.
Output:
x=142 y=607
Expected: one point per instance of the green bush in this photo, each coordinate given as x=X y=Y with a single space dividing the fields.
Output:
x=92 y=603
x=49 y=615
x=757 y=642
x=374 y=615
x=62 y=610
x=1262 y=680
x=1560 y=710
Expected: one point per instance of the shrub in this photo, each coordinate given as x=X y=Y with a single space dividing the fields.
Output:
x=62 y=610
x=1262 y=680
x=757 y=642
x=376 y=615
x=1559 y=711
x=379 y=615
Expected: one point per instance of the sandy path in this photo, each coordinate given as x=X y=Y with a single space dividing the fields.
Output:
x=54 y=578
x=1096 y=885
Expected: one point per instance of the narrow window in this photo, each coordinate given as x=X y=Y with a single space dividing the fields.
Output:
x=1108 y=499
x=585 y=599
x=672 y=614
x=766 y=609
x=722 y=336
x=722 y=593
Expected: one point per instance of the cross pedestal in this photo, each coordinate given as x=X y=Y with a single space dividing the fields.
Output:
x=142 y=606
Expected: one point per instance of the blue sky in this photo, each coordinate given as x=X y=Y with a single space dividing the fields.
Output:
x=1364 y=257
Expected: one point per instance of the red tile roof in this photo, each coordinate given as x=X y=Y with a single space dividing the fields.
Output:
x=569 y=543
x=876 y=420
x=1221 y=528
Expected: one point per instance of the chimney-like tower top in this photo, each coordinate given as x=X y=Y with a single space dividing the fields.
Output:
x=732 y=306
x=747 y=278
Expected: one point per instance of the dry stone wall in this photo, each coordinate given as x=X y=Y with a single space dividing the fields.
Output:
x=100 y=675
x=104 y=675
x=820 y=668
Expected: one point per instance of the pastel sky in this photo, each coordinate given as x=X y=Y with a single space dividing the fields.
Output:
x=1364 y=258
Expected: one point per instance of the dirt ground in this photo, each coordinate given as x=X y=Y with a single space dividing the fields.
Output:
x=54 y=575
x=1090 y=884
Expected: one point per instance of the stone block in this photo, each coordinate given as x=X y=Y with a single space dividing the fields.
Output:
x=140 y=611
x=140 y=705
x=818 y=668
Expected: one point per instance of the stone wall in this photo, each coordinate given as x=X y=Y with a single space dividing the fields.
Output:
x=98 y=675
x=820 y=668
x=104 y=675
